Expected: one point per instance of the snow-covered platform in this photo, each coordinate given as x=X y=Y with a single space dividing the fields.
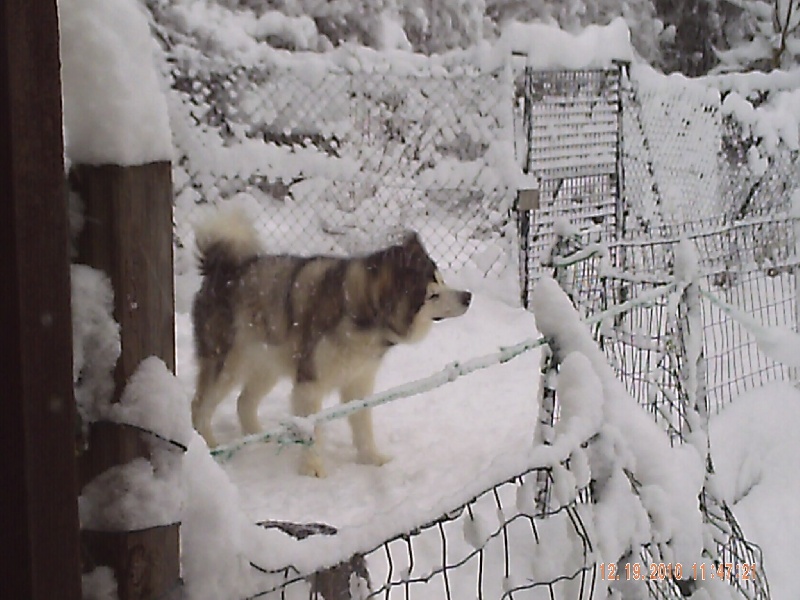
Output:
x=447 y=445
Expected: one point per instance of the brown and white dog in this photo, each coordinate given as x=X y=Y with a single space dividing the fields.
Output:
x=325 y=322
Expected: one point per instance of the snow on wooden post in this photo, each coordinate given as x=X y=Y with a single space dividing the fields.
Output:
x=128 y=235
x=341 y=581
x=37 y=431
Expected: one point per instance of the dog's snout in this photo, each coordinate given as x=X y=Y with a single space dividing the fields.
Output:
x=466 y=298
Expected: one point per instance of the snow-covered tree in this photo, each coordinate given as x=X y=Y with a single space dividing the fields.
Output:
x=572 y=15
x=433 y=26
x=692 y=30
x=769 y=36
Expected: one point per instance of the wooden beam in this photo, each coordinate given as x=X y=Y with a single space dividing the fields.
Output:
x=149 y=558
x=37 y=429
x=128 y=235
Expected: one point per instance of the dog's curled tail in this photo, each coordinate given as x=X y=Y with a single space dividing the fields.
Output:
x=226 y=239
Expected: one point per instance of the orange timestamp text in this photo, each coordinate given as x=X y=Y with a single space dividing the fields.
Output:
x=660 y=571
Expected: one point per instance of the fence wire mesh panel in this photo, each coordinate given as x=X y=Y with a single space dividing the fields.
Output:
x=734 y=550
x=670 y=155
x=331 y=160
x=650 y=346
x=573 y=128
x=492 y=547
x=756 y=179
x=750 y=266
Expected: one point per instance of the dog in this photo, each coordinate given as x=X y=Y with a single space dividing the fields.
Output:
x=326 y=322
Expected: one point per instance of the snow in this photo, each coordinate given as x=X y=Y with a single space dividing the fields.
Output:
x=775 y=122
x=95 y=340
x=549 y=47
x=114 y=109
x=155 y=401
x=299 y=31
x=215 y=531
x=99 y=584
x=630 y=440
x=756 y=451
x=137 y=495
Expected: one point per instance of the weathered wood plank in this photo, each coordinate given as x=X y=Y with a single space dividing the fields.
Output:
x=149 y=558
x=37 y=430
x=128 y=235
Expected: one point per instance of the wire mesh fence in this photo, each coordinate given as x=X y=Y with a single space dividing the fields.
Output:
x=677 y=149
x=659 y=350
x=684 y=170
x=333 y=159
x=491 y=547
x=572 y=123
x=670 y=153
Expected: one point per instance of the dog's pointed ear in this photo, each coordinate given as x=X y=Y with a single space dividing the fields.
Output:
x=412 y=250
x=411 y=239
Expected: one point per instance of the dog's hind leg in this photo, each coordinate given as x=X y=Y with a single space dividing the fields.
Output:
x=307 y=400
x=255 y=388
x=212 y=387
x=361 y=421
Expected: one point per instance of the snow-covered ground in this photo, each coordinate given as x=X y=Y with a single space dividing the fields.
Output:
x=461 y=439
x=444 y=443
x=756 y=447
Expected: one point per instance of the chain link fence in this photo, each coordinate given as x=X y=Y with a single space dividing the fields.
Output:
x=689 y=173
x=334 y=160
x=494 y=546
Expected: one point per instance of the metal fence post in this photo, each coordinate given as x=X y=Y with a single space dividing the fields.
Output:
x=527 y=202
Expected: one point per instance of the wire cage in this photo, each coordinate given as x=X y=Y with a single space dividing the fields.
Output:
x=573 y=128
x=745 y=242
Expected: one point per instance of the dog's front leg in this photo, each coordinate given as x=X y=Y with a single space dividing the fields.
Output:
x=306 y=401
x=361 y=421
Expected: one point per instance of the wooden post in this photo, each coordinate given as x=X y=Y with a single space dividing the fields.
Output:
x=38 y=494
x=128 y=235
x=335 y=583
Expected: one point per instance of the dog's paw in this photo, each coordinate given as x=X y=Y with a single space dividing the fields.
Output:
x=311 y=466
x=373 y=458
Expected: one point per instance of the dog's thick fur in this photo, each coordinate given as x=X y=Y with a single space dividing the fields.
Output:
x=325 y=322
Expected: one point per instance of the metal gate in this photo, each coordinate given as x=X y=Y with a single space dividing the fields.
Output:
x=573 y=130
